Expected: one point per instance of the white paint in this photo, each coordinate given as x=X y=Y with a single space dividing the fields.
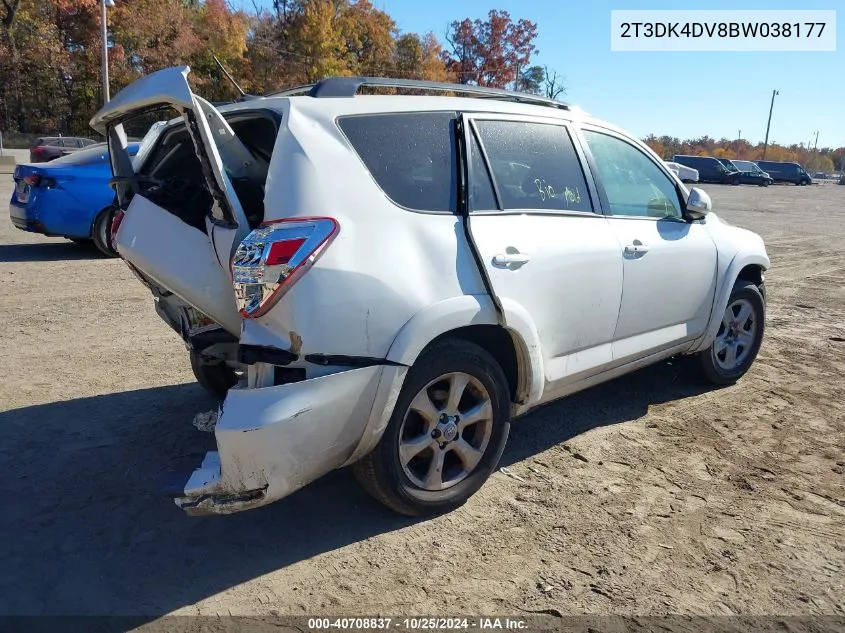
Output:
x=282 y=438
x=668 y=289
x=571 y=287
x=579 y=309
x=179 y=258
x=684 y=173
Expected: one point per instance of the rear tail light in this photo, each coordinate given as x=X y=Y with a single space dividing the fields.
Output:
x=271 y=259
x=115 y=224
x=39 y=180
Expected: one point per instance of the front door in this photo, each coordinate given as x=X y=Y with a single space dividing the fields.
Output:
x=547 y=251
x=669 y=263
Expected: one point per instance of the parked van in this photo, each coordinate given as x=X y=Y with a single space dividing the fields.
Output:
x=709 y=168
x=729 y=165
x=785 y=172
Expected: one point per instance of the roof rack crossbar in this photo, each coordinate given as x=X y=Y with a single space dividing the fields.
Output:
x=349 y=87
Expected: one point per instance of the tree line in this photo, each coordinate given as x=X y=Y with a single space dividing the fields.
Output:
x=50 y=55
x=825 y=159
x=50 y=52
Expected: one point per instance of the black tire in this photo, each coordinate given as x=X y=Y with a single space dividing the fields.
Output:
x=101 y=232
x=734 y=181
x=381 y=472
x=706 y=362
x=216 y=378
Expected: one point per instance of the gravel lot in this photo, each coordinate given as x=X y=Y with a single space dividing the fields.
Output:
x=645 y=495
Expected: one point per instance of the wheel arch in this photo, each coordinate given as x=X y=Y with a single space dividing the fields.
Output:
x=746 y=265
x=97 y=215
x=515 y=346
x=103 y=213
x=755 y=273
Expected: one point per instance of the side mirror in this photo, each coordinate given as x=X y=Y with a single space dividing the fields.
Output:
x=698 y=204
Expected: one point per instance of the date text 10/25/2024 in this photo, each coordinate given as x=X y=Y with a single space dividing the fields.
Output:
x=417 y=624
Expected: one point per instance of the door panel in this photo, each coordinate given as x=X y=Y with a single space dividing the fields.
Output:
x=570 y=283
x=544 y=248
x=669 y=264
x=669 y=283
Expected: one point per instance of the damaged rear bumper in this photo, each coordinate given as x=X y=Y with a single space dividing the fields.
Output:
x=271 y=441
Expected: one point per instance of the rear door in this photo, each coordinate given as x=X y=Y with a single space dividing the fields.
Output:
x=190 y=261
x=547 y=249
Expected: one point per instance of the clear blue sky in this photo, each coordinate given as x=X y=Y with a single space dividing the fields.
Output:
x=680 y=94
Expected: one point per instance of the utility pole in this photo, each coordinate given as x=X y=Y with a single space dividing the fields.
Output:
x=816 y=144
x=105 y=38
x=769 y=124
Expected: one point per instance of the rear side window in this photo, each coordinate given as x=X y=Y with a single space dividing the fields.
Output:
x=534 y=165
x=411 y=156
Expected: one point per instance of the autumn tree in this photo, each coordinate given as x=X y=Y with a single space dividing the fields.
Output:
x=149 y=35
x=319 y=46
x=490 y=52
x=10 y=59
x=368 y=34
x=55 y=87
x=223 y=34
x=263 y=69
x=419 y=58
x=463 y=59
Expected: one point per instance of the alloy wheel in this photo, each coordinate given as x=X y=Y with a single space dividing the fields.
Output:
x=737 y=334
x=445 y=431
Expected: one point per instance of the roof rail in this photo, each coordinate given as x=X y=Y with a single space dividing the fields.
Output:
x=349 y=86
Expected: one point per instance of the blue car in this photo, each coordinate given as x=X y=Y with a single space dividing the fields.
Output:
x=67 y=197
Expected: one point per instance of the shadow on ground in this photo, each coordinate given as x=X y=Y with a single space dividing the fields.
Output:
x=86 y=532
x=48 y=252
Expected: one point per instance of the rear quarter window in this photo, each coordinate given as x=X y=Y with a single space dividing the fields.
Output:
x=410 y=155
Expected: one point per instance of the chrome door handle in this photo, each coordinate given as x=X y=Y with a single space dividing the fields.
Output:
x=638 y=248
x=510 y=258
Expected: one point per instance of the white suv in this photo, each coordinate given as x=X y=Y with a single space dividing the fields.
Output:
x=386 y=280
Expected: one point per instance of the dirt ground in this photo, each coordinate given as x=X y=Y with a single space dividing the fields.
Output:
x=646 y=495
